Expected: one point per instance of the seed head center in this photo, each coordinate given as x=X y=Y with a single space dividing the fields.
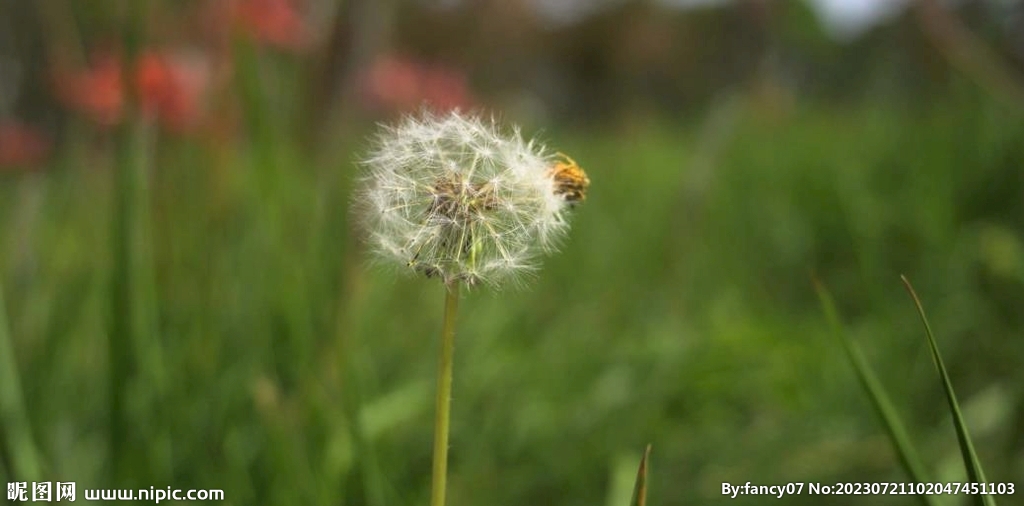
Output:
x=461 y=201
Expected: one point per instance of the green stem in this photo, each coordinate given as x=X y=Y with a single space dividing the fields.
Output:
x=442 y=413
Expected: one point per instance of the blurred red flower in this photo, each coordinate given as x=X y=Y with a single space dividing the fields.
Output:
x=398 y=83
x=445 y=88
x=22 y=146
x=273 y=22
x=392 y=82
x=169 y=85
x=96 y=92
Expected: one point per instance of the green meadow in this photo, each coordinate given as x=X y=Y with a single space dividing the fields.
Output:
x=230 y=313
x=187 y=300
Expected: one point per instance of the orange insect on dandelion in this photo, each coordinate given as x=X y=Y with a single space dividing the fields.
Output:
x=571 y=181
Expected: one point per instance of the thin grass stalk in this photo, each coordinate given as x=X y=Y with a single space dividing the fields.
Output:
x=898 y=435
x=17 y=447
x=640 y=487
x=134 y=349
x=975 y=474
x=135 y=353
x=442 y=412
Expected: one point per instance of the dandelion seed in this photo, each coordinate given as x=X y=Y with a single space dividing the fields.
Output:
x=457 y=197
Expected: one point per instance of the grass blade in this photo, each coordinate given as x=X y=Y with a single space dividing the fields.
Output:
x=640 y=489
x=971 y=462
x=898 y=435
x=135 y=351
x=17 y=449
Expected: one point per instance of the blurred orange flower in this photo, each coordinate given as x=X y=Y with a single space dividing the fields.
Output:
x=399 y=83
x=22 y=146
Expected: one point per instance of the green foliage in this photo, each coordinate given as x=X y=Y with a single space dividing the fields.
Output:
x=678 y=313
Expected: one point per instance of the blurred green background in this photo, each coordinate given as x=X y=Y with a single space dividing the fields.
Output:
x=188 y=303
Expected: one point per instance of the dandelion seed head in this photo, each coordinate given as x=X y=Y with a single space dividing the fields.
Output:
x=460 y=198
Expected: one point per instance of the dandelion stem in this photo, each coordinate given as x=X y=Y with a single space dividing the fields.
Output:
x=442 y=412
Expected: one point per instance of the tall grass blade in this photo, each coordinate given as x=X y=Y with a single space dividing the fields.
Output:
x=640 y=489
x=883 y=405
x=135 y=351
x=971 y=462
x=17 y=449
